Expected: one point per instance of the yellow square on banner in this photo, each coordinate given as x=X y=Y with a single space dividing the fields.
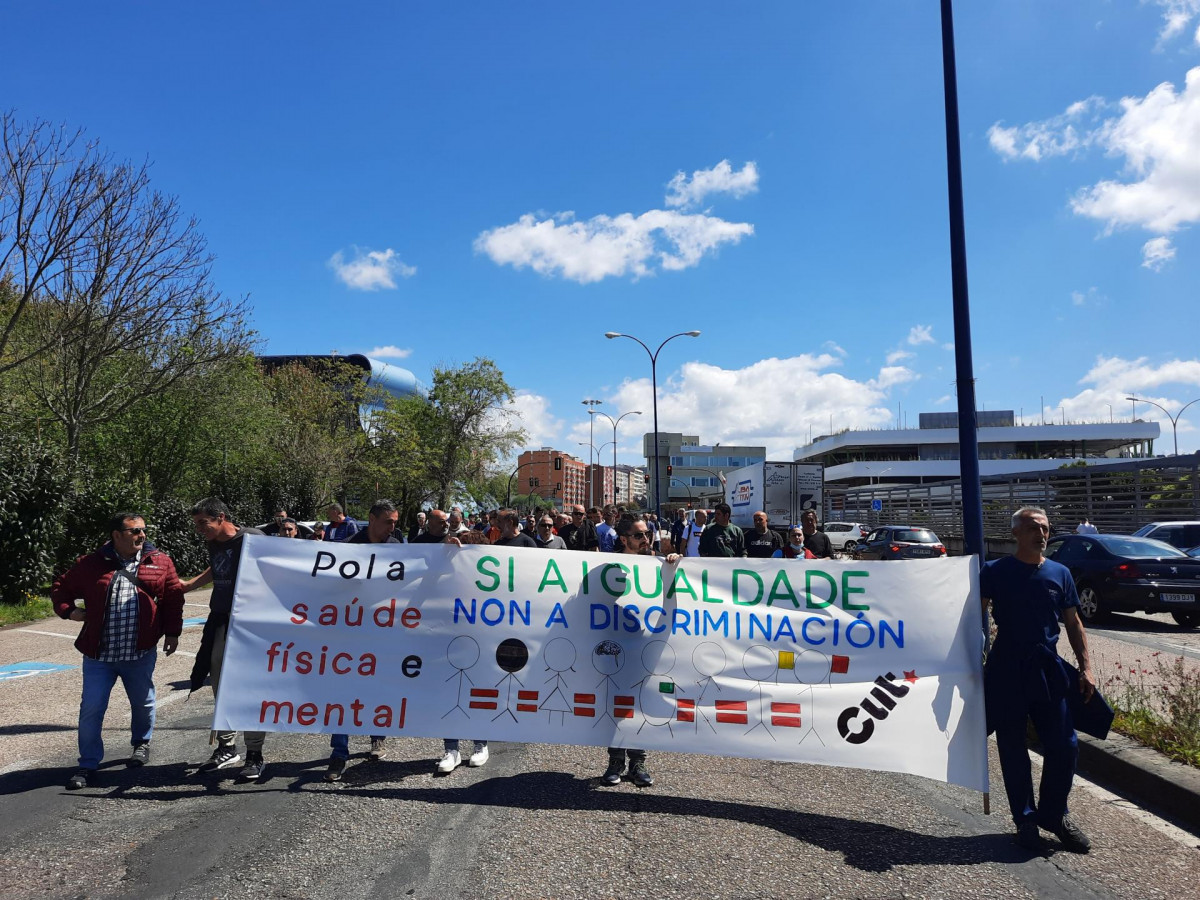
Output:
x=787 y=659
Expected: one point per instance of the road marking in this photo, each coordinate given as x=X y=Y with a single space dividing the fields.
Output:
x=1131 y=809
x=13 y=671
x=1136 y=812
x=58 y=634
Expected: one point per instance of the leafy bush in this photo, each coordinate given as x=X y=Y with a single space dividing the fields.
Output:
x=33 y=480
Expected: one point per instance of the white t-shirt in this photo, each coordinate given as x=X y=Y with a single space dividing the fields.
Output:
x=691 y=538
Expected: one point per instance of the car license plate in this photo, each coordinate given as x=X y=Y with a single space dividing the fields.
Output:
x=921 y=551
x=1177 y=598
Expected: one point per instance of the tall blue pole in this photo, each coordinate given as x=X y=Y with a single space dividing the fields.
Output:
x=968 y=445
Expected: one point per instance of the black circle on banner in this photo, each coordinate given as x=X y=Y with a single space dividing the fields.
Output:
x=512 y=655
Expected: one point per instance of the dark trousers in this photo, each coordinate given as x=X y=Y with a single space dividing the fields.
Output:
x=1060 y=750
x=618 y=754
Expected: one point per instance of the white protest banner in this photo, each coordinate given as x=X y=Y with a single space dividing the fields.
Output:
x=874 y=665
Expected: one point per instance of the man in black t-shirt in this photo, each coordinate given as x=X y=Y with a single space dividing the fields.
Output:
x=510 y=535
x=223 y=538
x=815 y=542
x=761 y=541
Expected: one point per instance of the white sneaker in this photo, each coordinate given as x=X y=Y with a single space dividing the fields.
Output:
x=451 y=761
x=479 y=757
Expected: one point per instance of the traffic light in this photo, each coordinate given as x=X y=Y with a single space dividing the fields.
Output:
x=668 y=470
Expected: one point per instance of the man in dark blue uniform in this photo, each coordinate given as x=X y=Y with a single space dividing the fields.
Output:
x=1025 y=679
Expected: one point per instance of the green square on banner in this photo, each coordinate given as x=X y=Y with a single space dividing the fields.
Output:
x=666 y=687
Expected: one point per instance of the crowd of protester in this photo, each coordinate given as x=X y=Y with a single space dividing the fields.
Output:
x=133 y=598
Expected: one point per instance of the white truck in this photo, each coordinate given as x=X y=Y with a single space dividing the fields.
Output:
x=783 y=490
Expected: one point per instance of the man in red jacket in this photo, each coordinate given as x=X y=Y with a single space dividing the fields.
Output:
x=131 y=598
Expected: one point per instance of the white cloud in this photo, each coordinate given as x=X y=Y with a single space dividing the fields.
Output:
x=389 y=351
x=1156 y=136
x=898 y=356
x=686 y=192
x=370 y=270
x=532 y=411
x=943 y=400
x=948 y=346
x=834 y=347
x=727 y=405
x=1156 y=252
x=1056 y=136
x=1077 y=298
x=1176 y=16
x=1112 y=379
x=920 y=334
x=605 y=246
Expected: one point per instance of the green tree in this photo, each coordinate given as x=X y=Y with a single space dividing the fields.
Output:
x=472 y=424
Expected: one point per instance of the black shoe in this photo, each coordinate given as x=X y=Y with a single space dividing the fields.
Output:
x=254 y=768
x=1071 y=835
x=1029 y=838
x=638 y=774
x=337 y=766
x=79 y=780
x=616 y=768
x=141 y=755
x=222 y=758
x=378 y=748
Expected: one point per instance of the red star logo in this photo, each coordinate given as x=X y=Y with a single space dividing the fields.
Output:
x=911 y=676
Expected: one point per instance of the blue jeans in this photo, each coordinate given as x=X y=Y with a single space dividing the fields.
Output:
x=449 y=744
x=339 y=744
x=98 y=679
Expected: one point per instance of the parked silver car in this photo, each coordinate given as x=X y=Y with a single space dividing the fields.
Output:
x=845 y=535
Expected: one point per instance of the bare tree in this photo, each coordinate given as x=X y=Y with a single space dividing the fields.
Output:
x=118 y=303
x=51 y=195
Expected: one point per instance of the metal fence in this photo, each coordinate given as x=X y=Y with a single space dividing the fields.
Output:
x=1117 y=498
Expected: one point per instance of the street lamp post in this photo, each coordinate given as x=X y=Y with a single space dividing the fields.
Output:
x=592 y=468
x=632 y=412
x=591 y=440
x=654 y=394
x=1174 y=420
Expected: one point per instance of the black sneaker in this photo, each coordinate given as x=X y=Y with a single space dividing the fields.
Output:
x=254 y=768
x=79 y=780
x=1071 y=835
x=638 y=774
x=616 y=768
x=378 y=748
x=1028 y=838
x=141 y=755
x=222 y=758
x=335 y=769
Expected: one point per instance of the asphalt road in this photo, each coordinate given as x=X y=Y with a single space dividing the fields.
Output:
x=532 y=823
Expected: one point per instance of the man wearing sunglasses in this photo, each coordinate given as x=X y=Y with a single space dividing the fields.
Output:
x=633 y=539
x=131 y=598
x=545 y=537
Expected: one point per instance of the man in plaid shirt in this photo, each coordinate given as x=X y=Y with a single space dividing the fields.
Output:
x=131 y=597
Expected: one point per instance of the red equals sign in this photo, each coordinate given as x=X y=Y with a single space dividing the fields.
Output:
x=484 y=692
x=530 y=698
x=790 y=717
x=623 y=706
x=585 y=705
x=685 y=710
x=732 y=712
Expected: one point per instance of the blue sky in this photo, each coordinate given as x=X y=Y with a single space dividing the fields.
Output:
x=437 y=181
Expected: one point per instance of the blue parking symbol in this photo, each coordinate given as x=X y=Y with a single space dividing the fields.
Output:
x=13 y=671
x=876 y=506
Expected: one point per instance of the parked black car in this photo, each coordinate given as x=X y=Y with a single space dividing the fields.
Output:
x=1130 y=574
x=900 y=542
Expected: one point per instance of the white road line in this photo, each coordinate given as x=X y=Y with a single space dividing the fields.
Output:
x=1178 y=835
x=1134 y=811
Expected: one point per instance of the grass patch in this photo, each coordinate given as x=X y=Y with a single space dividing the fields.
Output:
x=1159 y=708
x=32 y=608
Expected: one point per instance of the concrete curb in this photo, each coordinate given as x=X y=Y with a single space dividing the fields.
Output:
x=1143 y=775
